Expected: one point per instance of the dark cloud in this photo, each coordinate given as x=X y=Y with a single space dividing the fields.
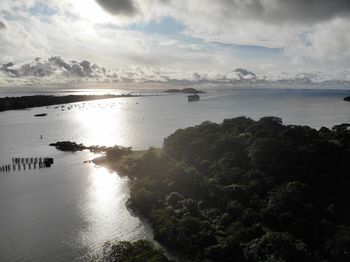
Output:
x=53 y=66
x=119 y=7
x=2 y=25
x=313 y=10
x=288 y=10
x=9 y=70
x=273 y=11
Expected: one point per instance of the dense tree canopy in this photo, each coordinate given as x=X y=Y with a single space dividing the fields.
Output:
x=248 y=190
x=139 y=251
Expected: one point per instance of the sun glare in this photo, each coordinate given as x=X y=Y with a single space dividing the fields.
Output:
x=102 y=122
x=90 y=10
x=104 y=184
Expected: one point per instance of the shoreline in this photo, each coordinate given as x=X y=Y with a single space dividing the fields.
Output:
x=113 y=158
x=119 y=164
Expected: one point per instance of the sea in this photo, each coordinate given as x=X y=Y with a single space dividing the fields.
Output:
x=68 y=211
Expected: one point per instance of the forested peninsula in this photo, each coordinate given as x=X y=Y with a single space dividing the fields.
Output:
x=23 y=102
x=247 y=190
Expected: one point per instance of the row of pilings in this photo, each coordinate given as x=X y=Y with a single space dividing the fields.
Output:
x=27 y=160
x=28 y=163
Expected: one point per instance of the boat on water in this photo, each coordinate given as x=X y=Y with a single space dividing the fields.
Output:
x=193 y=98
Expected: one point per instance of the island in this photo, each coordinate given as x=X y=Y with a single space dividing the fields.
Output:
x=24 y=102
x=246 y=190
x=347 y=99
x=184 y=91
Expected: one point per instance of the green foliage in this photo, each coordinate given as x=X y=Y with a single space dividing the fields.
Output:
x=144 y=200
x=248 y=190
x=277 y=246
x=116 y=152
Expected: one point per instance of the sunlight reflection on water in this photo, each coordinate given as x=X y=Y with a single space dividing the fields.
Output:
x=101 y=121
x=105 y=209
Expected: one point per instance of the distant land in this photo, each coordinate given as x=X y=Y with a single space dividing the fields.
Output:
x=15 y=103
x=183 y=91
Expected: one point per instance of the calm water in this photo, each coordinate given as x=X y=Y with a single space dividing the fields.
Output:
x=67 y=212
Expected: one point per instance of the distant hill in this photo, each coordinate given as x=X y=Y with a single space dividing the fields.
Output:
x=183 y=91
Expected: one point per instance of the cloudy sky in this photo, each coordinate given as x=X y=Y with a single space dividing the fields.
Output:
x=158 y=40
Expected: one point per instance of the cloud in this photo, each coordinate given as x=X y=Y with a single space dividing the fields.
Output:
x=54 y=66
x=58 y=71
x=295 y=11
x=306 y=11
x=308 y=34
x=2 y=25
x=286 y=11
x=303 y=30
x=311 y=31
x=119 y=7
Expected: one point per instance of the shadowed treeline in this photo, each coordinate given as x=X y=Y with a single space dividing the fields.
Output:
x=13 y=103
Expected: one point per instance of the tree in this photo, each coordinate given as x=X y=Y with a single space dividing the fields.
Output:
x=139 y=251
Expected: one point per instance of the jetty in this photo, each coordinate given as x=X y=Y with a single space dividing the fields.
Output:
x=27 y=163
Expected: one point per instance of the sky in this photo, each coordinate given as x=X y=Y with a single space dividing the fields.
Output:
x=112 y=41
